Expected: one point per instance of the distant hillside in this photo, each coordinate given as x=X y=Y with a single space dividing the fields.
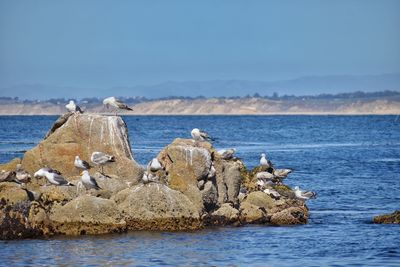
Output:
x=387 y=102
x=217 y=88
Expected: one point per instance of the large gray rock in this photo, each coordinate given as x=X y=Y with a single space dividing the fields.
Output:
x=229 y=179
x=82 y=134
x=155 y=206
x=186 y=163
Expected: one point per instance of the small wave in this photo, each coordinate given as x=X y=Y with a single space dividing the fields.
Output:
x=385 y=160
x=17 y=142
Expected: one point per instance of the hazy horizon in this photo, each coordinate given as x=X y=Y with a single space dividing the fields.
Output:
x=157 y=48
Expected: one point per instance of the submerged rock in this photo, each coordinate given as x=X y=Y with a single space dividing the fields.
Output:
x=290 y=216
x=393 y=218
x=81 y=135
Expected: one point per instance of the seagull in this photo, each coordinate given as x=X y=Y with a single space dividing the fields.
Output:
x=42 y=172
x=148 y=177
x=100 y=159
x=21 y=175
x=118 y=104
x=88 y=181
x=198 y=135
x=265 y=175
x=304 y=195
x=154 y=165
x=81 y=164
x=228 y=153
x=8 y=176
x=272 y=193
x=53 y=177
x=264 y=162
x=72 y=107
x=282 y=173
x=212 y=172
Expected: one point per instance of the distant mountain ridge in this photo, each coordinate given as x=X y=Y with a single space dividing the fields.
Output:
x=309 y=85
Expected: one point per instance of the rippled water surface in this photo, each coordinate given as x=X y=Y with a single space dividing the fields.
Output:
x=353 y=162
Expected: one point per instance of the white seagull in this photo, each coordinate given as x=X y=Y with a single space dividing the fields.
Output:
x=53 y=177
x=21 y=175
x=100 y=159
x=154 y=165
x=88 y=181
x=81 y=164
x=227 y=153
x=264 y=162
x=265 y=175
x=148 y=177
x=304 y=195
x=72 y=107
x=118 y=104
x=198 y=135
x=282 y=173
x=42 y=172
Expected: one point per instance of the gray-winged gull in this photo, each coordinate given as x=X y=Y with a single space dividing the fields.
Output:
x=304 y=195
x=21 y=175
x=8 y=176
x=227 y=153
x=273 y=193
x=81 y=164
x=53 y=177
x=118 y=104
x=264 y=162
x=72 y=107
x=199 y=135
x=88 y=181
x=42 y=172
x=282 y=173
x=154 y=165
x=100 y=159
x=265 y=175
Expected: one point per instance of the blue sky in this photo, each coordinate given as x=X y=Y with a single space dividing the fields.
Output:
x=92 y=44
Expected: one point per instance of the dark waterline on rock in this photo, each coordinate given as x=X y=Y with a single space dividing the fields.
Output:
x=353 y=162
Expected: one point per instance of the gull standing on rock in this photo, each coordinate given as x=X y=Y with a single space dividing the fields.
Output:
x=282 y=173
x=118 y=104
x=100 y=159
x=42 y=172
x=154 y=165
x=198 y=135
x=265 y=176
x=81 y=164
x=264 y=162
x=72 y=107
x=304 y=195
x=53 y=177
x=88 y=181
x=8 y=176
x=228 y=153
x=21 y=175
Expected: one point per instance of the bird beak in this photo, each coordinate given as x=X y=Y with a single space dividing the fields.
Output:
x=81 y=173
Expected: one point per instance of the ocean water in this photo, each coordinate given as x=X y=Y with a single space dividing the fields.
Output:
x=352 y=162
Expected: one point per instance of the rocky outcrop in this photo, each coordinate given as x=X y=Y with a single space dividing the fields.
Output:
x=82 y=134
x=393 y=218
x=157 y=207
x=195 y=187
